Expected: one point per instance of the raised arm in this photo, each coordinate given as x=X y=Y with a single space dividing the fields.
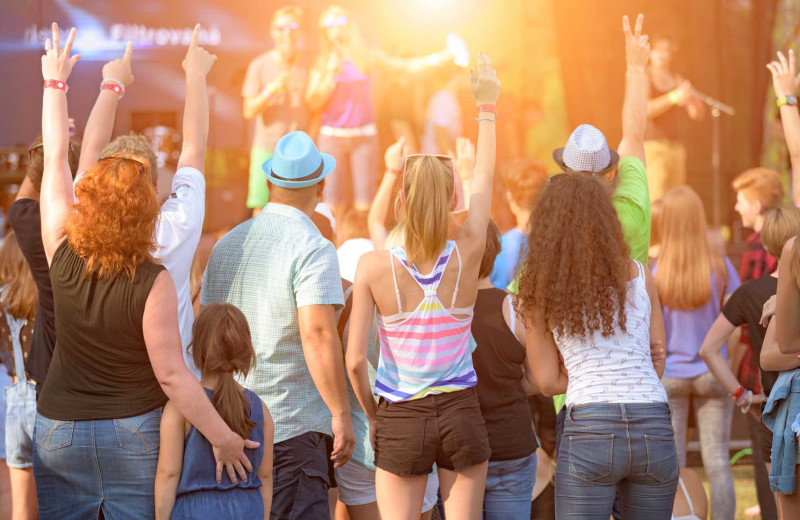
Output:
x=376 y=218
x=163 y=342
x=784 y=82
x=634 y=108
x=56 y=193
x=416 y=65
x=197 y=63
x=98 y=129
x=485 y=91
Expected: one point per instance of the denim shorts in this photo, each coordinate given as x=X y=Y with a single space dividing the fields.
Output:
x=20 y=418
x=83 y=467
x=509 y=487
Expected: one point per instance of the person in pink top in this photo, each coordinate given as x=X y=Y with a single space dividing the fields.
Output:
x=424 y=292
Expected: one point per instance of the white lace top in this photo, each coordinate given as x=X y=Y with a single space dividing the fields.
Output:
x=616 y=369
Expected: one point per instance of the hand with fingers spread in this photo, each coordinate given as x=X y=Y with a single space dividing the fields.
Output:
x=485 y=85
x=465 y=158
x=120 y=69
x=198 y=61
x=395 y=155
x=637 y=45
x=57 y=63
x=785 y=79
x=230 y=455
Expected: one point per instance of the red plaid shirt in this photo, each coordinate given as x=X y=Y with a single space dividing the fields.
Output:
x=756 y=262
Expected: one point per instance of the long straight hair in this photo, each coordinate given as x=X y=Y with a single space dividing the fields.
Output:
x=686 y=260
x=21 y=295
x=221 y=345
x=354 y=47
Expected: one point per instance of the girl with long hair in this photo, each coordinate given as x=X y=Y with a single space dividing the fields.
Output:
x=424 y=292
x=18 y=299
x=119 y=355
x=592 y=316
x=185 y=486
x=693 y=281
x=340 y=89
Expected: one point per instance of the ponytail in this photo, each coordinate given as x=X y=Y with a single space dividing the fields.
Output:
x=221 y=345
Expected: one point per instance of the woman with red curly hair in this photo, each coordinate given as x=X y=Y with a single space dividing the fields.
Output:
x=119 y=356
x=592 y=315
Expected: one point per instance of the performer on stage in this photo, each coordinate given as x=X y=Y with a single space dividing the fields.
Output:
x=273 y=92
x=340 y=87
x=670 y=101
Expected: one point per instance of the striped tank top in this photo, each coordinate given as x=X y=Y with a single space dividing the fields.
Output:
x=425 y=351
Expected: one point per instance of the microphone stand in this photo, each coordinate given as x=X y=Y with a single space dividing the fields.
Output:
x=717 y=109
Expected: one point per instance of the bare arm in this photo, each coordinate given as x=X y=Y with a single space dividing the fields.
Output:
x=163 y=342
x=658 y=335
x=485 y=90
x=771 y=356
x=101 y=121
x=416 y=65
x=634 y=107
x=358 y=338
x=321 y=82
x=56 y=194
x=323 y=353
x=544 y=359
x=711 y=352
x=787 y=302
x=170 y=461
x=197 y=64
x=274 y=93
x=265 y=468
x=376 y=218
x=784 y=82
x=659 y=105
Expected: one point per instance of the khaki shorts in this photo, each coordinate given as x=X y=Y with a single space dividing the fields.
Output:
x=447 y=429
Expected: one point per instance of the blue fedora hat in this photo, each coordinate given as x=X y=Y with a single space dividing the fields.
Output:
x=297 y=163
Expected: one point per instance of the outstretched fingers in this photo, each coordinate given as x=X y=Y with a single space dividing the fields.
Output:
x=626 y=26
x=56 y=38
x=70 y=39
x=639 y=22
x=195 y=36
x=128 y=52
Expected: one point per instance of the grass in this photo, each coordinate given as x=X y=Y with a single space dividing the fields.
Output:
x=745 y=489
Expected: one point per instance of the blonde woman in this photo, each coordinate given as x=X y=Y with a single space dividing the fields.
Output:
x=424 y=292
x=340 y=89
x=693 y=281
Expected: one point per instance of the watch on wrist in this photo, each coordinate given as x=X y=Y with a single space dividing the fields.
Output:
x=788 y=99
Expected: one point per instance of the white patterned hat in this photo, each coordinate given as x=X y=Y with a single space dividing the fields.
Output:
x=586 y=151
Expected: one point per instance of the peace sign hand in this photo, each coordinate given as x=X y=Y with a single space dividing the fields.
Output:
x=485 y=85
x=198 y=61
x=784 y=77
x=637 y=46
x=57 y=63
x=120 y=69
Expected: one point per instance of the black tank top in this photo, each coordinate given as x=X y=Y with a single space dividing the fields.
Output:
x=100 y=367
x=498 y=361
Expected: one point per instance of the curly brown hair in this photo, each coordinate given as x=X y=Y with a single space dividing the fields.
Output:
x=577 y=265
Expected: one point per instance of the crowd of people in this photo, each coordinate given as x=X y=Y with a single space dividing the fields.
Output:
x=400 y=376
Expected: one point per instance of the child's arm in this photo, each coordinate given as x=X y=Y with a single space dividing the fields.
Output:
x=265 y=468
x=170 y=461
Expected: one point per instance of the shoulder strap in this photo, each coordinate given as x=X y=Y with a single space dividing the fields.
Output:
x=458 y=276
x=394 y=279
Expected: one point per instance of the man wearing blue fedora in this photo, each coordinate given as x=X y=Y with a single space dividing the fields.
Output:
x=284 y=276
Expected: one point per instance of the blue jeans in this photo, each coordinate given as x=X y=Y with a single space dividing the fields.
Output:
x=20 y=419
x=509 y=486
x=610 y=447
x=82 y=467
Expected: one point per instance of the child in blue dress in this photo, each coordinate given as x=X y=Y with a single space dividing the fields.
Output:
x=186 y=485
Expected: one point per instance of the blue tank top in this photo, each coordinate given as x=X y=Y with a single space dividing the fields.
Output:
x=198 y=456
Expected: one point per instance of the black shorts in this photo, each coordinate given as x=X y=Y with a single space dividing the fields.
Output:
x=447 y=429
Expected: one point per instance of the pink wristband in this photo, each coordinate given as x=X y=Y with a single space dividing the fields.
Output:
x=55 y=83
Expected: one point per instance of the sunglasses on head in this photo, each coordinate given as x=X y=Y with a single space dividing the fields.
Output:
x=446 y=160
x=287 y=27
x=339 y=21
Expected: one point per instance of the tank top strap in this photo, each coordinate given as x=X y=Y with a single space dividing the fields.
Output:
x=429 y=283
x=394 y=279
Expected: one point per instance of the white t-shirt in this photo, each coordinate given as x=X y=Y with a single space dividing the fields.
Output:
x=178 y=231
x=349 y=253
x=443 y=110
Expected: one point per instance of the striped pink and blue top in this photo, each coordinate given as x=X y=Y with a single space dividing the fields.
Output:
x=425 y=351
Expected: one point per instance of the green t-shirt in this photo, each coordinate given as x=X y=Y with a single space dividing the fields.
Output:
x=631 y=200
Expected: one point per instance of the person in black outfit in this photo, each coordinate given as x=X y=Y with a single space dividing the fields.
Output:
x=504 y=383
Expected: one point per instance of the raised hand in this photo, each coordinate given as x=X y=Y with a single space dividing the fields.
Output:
x=637 y=46
x=465 y=158
x=395 y=154
x=485 y=85
x=120 y=69
x=785 y=79
x=57 y=63
x=198 y=61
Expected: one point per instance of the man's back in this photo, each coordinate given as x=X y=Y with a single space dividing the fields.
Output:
x=268 y=267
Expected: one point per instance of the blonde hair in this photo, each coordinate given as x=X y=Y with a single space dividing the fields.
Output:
x=760 y=185
x=780 y=224
x=354 y=47
x=288 y=10
x=428 y=188
x=686 y=259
